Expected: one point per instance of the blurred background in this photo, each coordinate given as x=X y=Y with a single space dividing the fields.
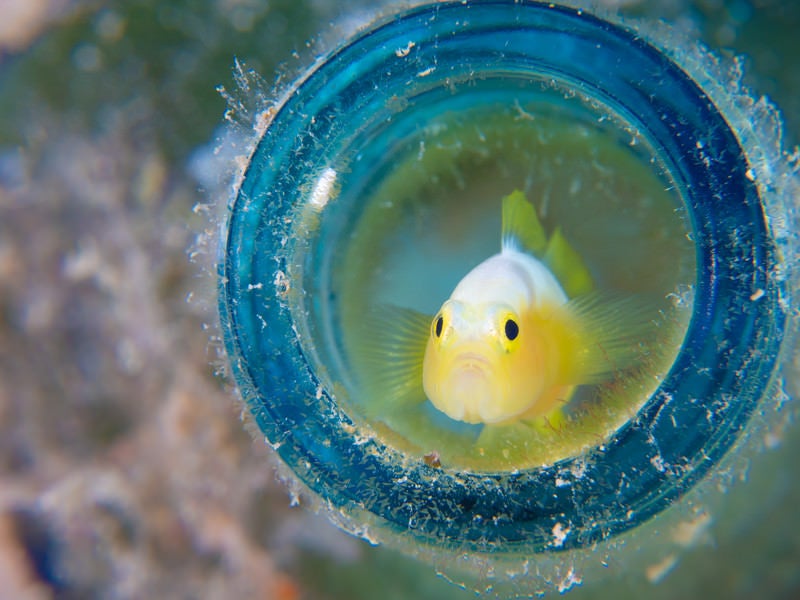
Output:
x=125 y=471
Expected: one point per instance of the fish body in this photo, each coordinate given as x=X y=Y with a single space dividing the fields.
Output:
x=518 y=333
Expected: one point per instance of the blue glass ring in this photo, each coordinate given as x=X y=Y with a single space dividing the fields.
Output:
x=393 y=76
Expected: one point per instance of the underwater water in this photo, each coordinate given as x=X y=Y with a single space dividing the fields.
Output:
x=125 y=471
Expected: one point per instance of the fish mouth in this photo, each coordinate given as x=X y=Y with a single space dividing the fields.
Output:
x=472 y=361
x=471 y=387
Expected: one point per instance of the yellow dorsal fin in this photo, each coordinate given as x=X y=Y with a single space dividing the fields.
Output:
x=388 y=358
x=567 y=265
x=522 y=229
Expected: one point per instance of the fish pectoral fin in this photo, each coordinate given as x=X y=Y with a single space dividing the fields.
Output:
x=614 y=333
x=548 y=424
x=521 y=229
x=567 y=265
x=387 y=356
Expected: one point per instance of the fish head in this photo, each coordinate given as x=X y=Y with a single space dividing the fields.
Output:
x=483 y=362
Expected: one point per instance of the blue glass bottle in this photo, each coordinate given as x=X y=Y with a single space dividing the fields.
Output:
x=417 y=87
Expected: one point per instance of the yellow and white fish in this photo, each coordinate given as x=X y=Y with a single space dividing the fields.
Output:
x=515 y=337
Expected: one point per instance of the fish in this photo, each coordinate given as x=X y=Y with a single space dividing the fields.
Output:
x=515 y=338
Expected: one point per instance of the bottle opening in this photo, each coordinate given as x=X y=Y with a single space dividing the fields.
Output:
x=413 y=204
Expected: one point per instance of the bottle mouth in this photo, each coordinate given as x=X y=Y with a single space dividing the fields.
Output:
x=411 y=87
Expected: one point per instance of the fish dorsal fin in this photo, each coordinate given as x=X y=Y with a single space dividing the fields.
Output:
x=388 y=357
x=522 y=229
x=567 y=265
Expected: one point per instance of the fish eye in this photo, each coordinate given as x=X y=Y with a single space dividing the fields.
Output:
x=439 y=324
x=511 y=329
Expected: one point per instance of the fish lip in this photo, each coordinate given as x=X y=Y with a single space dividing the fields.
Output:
x=472 y=360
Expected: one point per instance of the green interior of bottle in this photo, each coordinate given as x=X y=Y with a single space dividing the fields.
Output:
x=435 y=213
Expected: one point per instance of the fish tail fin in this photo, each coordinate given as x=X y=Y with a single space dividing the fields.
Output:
x=387 y=356
x=614 y=334
x=567 y=265
x=521 y=229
